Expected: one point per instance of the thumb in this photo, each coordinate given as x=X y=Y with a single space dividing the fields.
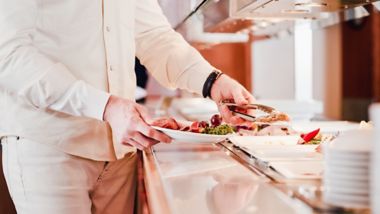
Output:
x=239 y=98
x=144 y=114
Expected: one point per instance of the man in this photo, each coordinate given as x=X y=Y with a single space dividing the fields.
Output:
x=69 y=123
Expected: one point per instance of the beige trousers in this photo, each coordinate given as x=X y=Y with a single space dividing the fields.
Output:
x=42 y=180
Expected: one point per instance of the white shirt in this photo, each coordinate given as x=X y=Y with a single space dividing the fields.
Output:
x=61 y=60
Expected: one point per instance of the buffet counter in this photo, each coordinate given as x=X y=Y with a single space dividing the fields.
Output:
x=206 y=178
x=232 y=177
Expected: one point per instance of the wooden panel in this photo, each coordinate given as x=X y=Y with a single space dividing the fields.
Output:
x=357 y=58
x=357 y=44
x=234 y=59
x=376 y=54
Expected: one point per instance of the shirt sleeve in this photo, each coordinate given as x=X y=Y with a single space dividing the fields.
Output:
x=167 y=56
x=39 y=80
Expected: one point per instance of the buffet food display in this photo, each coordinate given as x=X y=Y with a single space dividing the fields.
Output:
x=270 y=144
x=216 y=126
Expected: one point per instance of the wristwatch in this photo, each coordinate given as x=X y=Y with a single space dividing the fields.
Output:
x=214 y=75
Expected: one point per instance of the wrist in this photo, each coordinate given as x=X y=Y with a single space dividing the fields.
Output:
x=108 y=107
x=217 y=87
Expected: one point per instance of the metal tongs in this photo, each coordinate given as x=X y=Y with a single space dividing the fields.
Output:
x=233 y=107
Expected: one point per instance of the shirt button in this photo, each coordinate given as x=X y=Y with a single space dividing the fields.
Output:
x=111 y=68
x=108 y=29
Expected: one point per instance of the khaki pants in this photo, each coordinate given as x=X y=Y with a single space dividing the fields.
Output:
x=42 y=179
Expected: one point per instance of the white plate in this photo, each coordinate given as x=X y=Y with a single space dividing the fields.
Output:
x=327 y=127
x=346 y=183
x=347 y=197
x=346 y=177
x=347 y=170
x=275 y=148
x=277 y=153
x=294 y=148
x=347 y=163
x=348 y=204
x=191 y=137
x=354 y=141
x=350 y=191
x=347 y=156
x=299 y=169
x=264 y=140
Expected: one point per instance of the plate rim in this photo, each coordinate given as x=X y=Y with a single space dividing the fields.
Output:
x=191 y=133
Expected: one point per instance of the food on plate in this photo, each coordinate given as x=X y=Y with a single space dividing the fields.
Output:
x=313 y=137
x=316 y=138
x=365 y=125
x=198 y=127
x=222 y=129
x=273 y=117
x=266 y=129
x=274 y=129
x=247 y=111
x=216 y=120
x=214 y=127
x=166 y=122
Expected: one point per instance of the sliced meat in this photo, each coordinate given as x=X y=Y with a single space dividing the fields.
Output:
x=195 y=127
x=272 y=130
x=247 y=125
x=166 y=122
x=185 y=128
x=277 y=116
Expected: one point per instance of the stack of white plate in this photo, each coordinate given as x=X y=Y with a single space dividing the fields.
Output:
x=346 y=177
x=375 y=159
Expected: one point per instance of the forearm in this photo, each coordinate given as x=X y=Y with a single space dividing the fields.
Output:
x=170 y=59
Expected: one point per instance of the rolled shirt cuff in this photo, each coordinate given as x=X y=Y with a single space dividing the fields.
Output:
x=95 y=103
x=196 y=80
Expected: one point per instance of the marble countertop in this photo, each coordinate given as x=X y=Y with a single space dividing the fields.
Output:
x=201 y=178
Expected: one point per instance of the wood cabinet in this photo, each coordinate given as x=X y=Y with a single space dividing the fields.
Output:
x=234 y=59
x=376 y=54
x=361 y=65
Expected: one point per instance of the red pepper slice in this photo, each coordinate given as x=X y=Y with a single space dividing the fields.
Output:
x=310 y=136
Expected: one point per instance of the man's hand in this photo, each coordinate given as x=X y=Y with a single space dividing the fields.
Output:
x=227 y=88
x=128 y=122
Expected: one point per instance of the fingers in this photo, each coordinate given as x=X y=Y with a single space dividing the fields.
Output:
x=249 y=96
x=152 y=136
x=236 y=120
x=228 y=116
x=140 y=141
x=148 y=131
x=225 y=112
x=242 y=96
x=133 y=143
x=250 y=99
x=144 y=141
x=239 y=97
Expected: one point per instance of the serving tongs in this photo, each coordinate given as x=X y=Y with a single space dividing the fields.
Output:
x=233 y=107
x=254 y=106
